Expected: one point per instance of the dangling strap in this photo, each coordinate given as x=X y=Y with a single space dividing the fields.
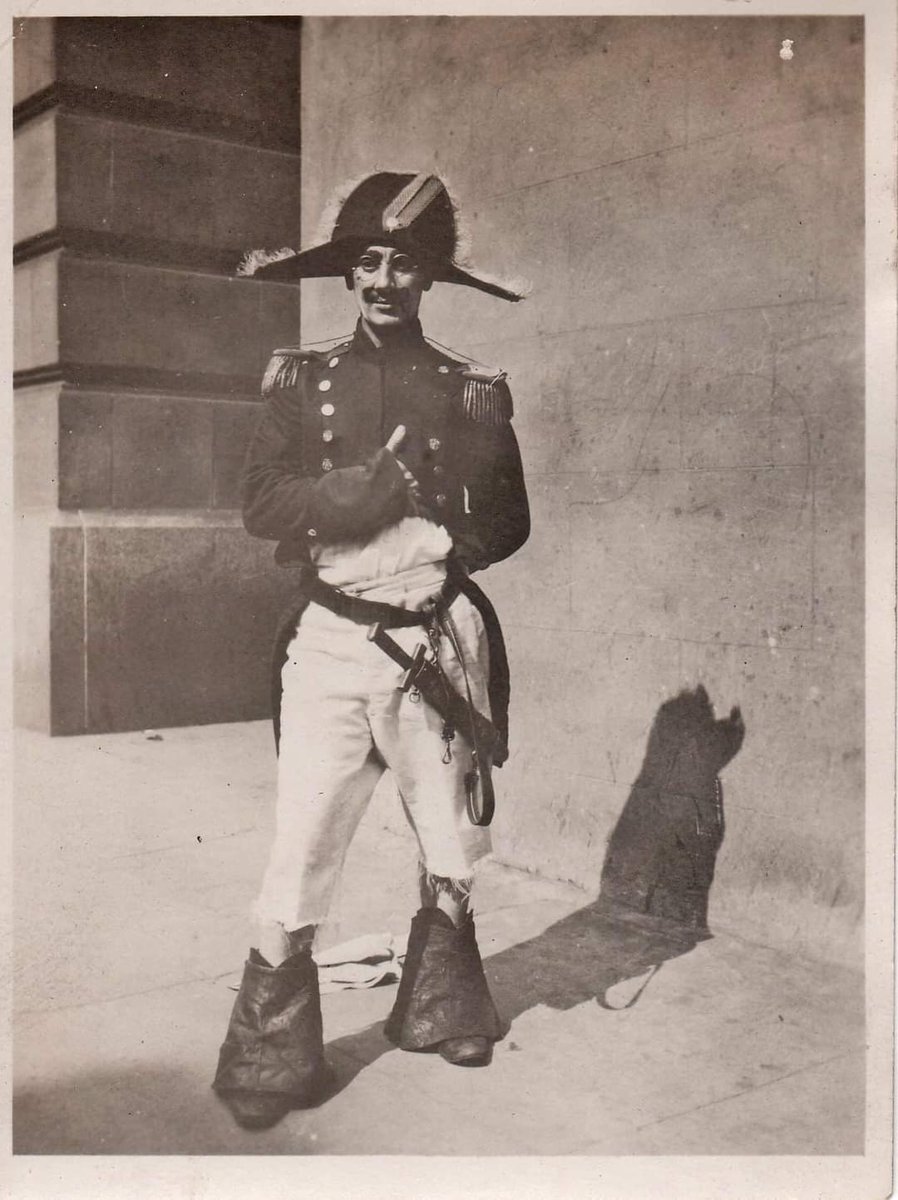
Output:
x=480 y=806
x=653 y=971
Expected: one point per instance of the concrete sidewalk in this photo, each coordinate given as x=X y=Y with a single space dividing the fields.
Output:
x=137 y=861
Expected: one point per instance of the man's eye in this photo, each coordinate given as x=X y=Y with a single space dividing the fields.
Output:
x=366 y=264
x=404 y=264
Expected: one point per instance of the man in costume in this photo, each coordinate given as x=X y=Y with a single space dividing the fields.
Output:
x=387 y=471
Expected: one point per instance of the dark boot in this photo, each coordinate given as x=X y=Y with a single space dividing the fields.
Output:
x=272 y=1058
x=443 y=1002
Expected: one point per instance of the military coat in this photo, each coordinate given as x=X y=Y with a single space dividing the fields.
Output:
x=318 y=472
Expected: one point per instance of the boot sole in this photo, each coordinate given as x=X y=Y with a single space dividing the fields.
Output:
x=272 y=1107
x=472 y=1060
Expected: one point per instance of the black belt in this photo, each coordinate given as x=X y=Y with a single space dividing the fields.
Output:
x=367 y=612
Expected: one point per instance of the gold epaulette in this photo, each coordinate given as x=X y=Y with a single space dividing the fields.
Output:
x=285 y=364
x=283 y=369
x=486 y=396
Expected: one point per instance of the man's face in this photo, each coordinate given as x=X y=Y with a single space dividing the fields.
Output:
x=388 y=284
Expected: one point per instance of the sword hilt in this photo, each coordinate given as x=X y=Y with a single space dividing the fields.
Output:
x=414 y=664
x=410 y=678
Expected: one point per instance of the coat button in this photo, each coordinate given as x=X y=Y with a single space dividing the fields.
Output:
x=328 y=435
x=327 y=410
x=443 y=370
x=333 y=362
x=440 y=499
x=324 y=385
x=326 y=464
x=312 y=532
x=438 y=470
x=434 y=443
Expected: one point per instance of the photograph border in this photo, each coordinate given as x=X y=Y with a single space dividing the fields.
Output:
x=855 y=1178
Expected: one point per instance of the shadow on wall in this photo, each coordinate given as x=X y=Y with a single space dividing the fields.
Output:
x=661 y=856
x=653 y=901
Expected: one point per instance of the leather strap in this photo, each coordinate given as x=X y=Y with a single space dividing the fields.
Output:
x=480 y=805
x=368 y=612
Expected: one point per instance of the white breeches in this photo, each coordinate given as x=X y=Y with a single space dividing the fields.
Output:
x=343 y=723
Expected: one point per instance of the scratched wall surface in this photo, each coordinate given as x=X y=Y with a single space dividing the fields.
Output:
x=688 y=386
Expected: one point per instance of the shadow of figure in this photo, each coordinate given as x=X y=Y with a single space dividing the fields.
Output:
x=661 y=856
x=656 y=879
x=653 y=901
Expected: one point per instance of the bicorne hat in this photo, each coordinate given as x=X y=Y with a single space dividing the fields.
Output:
x=413 y=212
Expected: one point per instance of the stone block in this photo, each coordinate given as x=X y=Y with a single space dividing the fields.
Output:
x=166 y=60
x=161 y=452
x=88 y=172
x=36 y=312
x=36 y=438
x=69 y=647
x=179 y=623
x=31 y=621
x=233 y=423
x=258 y=198
x=34 y=60
x=125 y=315
x=130 y=622
x=34 y=177
x=85 y=436
x=278 y=321
x=140 y=182
x=23 y=337
x=48 y=679
x=138 y=450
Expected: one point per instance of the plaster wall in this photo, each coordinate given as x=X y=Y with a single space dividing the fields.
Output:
x=688 y=382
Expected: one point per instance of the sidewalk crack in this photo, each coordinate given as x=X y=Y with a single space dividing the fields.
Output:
x=765 y=1084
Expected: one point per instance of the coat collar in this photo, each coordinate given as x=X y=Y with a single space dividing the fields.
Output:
x=407 y=343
